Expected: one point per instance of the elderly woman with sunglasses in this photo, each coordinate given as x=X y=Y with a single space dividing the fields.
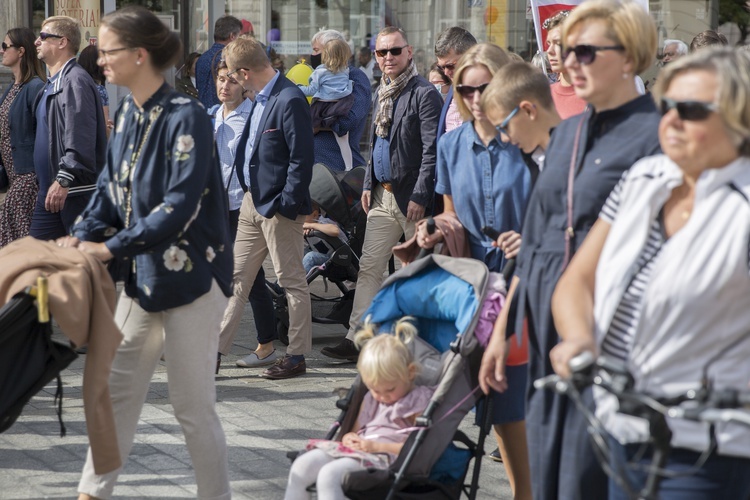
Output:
x=606 y=43
x=661 y=283
x=485 y=183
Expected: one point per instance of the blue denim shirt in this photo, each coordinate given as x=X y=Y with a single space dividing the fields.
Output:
x=490 y=186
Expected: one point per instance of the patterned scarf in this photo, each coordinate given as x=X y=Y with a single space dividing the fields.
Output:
x=386 y=95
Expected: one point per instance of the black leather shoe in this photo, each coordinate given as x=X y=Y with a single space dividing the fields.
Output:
x=496 y=456
x=285 y=368
x=345 y=350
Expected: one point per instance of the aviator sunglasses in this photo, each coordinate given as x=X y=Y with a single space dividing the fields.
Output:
x=688 y=110
x=586 y=54
x=468 y=90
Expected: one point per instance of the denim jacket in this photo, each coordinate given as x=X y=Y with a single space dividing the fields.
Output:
x=22 y=126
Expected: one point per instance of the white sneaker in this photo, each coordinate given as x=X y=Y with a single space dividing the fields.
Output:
x=253 y=361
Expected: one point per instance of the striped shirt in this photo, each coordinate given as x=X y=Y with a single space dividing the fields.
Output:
x=619 y=337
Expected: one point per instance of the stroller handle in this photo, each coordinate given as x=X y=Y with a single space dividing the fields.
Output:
x=424 y=252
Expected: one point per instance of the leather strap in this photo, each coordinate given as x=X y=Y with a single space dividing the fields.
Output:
x=569 y=231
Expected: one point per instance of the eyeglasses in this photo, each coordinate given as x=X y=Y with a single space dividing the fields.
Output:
x=693 y=111
x=503 y=127
x=105 y=53
x=396 y=51
x=229 y=75
x=468 y=90
x=449 y=66
x=586 y=54
x=6 y=46
x=43 y=36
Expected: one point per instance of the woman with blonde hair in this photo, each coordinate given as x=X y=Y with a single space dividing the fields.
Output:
x=485 y=183
x=606 y=43
x=661 y=283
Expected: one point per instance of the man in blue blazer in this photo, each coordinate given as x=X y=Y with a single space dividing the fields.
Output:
x=274 y=166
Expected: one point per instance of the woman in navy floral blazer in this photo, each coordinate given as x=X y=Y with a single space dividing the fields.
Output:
x=160 y=213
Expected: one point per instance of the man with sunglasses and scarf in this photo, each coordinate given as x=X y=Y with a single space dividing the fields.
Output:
x=71 y=134
x=399 y=182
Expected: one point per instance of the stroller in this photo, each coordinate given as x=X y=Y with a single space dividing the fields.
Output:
x=29 y=358
x=338 y=195
x=445 y=295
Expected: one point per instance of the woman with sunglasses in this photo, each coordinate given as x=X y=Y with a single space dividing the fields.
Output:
x=485 y=183
x=661 y=283
x=17 y=142
x=159 y=213
x=607 y=42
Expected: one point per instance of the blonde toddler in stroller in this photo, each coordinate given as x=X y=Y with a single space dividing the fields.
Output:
x=387 y=415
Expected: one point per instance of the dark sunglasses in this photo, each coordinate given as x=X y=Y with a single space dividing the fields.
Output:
x=396 y=51
x=43 y=36
x=449 y=66
x=6 y=46
x=503 y=127
x=586 y=54
x=688 y=110
x=468 y=90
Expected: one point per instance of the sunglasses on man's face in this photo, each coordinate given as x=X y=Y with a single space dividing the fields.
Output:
x=43 y=36
x=396 y=51
x=586 y=54
x=449 y=66
x=693 y=111
x=468 y=91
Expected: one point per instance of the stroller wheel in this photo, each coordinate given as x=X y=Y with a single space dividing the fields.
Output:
x=282 y=330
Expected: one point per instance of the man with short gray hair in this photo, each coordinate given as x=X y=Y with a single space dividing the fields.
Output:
x=673 y=49
x=226 y=29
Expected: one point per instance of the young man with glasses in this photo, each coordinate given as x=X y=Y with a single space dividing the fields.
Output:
x=400 y=178
x=71 y=136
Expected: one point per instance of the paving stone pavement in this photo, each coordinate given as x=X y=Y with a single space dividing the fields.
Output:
x=262 y=419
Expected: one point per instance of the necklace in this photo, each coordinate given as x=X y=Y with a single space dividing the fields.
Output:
x=134 y=162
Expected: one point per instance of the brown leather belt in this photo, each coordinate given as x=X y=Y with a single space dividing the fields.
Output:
x=387 y=186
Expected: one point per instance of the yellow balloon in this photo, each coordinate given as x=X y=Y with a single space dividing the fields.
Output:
x=300 y=74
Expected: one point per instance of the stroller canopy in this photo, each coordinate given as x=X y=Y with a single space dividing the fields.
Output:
x=443 y=293
x=337 y=192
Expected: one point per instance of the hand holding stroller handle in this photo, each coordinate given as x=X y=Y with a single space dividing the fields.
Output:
x=430 y=227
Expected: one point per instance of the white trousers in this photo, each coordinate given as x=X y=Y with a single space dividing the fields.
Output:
x=319 y=468
x=189 y=338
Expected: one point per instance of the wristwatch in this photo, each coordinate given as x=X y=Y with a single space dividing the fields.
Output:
x=63 y=182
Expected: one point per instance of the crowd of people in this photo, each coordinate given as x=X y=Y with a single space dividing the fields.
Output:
x=623 y=209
